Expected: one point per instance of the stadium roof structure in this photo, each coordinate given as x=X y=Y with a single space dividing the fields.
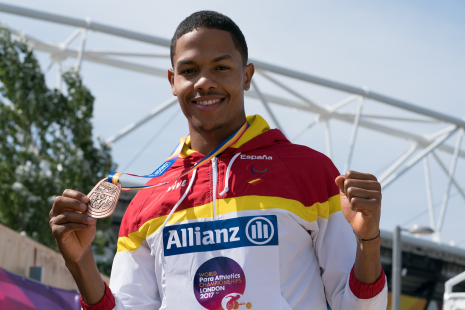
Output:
x=426 y=266
x=424 y=145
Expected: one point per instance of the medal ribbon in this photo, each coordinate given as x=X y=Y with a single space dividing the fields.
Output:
x=114 y=176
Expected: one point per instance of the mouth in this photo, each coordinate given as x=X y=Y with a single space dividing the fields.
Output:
x=208 y=103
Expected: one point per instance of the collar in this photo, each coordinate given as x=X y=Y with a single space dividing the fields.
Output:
x=258 y=125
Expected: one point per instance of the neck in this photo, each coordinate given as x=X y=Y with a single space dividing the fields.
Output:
x=205 y=141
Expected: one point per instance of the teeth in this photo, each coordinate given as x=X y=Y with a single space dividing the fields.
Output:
x=209 y=102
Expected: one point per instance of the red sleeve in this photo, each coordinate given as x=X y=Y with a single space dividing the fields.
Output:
x=366 y=291
x=106 y=303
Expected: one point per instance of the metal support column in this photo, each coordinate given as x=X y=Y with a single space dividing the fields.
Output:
x=162 y=107
x=417 y=158
x=441 y=164
x=396 y=268
x=429 y=192
x=81 y=50
x=449 y=183
x=398 y=162
x=71 y=38
x=59 y=76
x=304 y=131
x=342 y=103
x=267 y=106
x=328 y=140
x=354 y=134
x=288 y=89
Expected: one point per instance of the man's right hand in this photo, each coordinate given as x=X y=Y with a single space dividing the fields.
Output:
x=73 y=230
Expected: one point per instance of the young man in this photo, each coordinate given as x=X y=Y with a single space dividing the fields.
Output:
x=266 y=224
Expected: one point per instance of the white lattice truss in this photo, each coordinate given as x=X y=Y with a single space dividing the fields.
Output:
x=454 y=301
x=422 y=147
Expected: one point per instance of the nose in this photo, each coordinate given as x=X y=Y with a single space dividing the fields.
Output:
x=205 y=81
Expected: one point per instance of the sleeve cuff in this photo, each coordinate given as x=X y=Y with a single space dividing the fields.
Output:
x=366 y=291
x=106 y=303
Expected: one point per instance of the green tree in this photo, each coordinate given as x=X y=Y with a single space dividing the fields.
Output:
x=46 y=142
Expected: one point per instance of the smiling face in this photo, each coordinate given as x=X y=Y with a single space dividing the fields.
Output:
x=209 y=79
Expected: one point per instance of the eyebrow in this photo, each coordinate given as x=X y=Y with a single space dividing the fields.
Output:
x=185 y=62
x=217 y=59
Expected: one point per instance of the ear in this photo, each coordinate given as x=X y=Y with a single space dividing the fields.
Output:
x=171 y=80
x=249 y=70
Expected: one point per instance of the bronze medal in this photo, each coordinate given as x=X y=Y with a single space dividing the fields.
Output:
x=102 y=199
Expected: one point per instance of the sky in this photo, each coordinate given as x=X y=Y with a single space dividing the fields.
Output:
x=409 y=50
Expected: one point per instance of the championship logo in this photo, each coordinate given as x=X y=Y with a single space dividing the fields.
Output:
x=219 y=284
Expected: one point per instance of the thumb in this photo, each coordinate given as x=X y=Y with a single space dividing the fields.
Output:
x=340 y=183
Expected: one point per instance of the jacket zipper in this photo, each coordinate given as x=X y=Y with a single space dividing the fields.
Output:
x=215 y=181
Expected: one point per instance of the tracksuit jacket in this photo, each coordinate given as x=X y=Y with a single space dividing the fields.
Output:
x=259 y=227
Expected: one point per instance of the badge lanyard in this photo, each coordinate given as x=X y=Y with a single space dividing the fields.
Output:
x=114 y=176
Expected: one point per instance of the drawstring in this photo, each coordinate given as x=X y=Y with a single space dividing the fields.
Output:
x=194 y=173
x=180 y=200
x=226 y=177
x=226 y=189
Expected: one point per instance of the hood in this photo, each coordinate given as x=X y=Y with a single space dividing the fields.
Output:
x=257 y=136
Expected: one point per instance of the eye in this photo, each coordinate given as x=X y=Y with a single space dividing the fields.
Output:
x=222 y=68
x=187 y=71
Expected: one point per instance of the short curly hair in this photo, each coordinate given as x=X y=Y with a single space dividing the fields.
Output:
x=211 y=20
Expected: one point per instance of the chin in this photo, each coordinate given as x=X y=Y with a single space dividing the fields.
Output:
x=208 y=126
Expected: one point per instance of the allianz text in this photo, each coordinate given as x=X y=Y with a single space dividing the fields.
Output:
x=221 y=234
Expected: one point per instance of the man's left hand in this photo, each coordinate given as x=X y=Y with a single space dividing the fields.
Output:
x=361 y=202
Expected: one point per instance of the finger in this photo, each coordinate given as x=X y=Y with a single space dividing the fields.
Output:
x=359 y=176
x=59 y=230
x=75 y=195
x=353 y=192
x=62 y=204
x=72 y=217
x=365 y=206
x=365 y=184
x=340 y=183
